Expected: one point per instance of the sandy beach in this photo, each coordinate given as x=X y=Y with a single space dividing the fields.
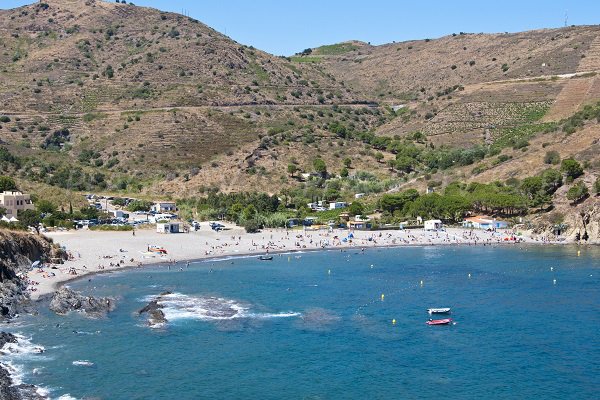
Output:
x=98 y=252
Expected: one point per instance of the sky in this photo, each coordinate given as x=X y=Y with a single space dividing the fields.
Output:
x=284 y=27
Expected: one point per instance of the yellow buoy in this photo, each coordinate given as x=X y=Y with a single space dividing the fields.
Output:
x=394 y=321
x=578 y=253
x=382 y=296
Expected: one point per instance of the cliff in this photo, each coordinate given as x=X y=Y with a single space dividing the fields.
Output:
x=17 y=251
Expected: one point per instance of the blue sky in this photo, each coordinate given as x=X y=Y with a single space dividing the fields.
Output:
x=285 y=27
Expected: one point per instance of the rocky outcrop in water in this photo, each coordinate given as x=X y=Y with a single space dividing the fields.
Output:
x=66 y=300
x=156 y=316
x=17 y=251
x=8 y=391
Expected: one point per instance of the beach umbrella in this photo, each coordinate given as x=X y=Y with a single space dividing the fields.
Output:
x=5 y=219
x=36 y=264
x=13 y=219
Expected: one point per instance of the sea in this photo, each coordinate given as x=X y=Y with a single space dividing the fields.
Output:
x=331 y=325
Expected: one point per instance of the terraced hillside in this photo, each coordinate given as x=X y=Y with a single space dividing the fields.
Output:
x=104 y=96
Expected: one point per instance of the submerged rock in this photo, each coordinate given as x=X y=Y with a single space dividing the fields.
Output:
x=66 y=300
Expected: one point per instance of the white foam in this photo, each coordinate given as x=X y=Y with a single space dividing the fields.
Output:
x=83 y=363
x=177 y=306
x=22 y=350
x=67 y=397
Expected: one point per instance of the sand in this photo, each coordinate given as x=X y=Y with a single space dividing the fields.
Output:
x=98 y=252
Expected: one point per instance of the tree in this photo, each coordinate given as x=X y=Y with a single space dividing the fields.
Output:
x=249 y=212
x=347 y=162
x=252 y=226
x=551 y=180
x=577 y=192
x=552 y=157
x=378 y=156
x=292 y=169
x=29 y=218
x=320 y=167
x=45 y=207
x=2 y=210
x=7 y=184
x=571 y=168
x=597 y=186
x=139 y=205
x=356 y=208
x=344 y=172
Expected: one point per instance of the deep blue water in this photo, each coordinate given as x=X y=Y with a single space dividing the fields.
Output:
x=517 y=334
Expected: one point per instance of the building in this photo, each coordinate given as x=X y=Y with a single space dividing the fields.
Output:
x=433 y=225
x=14 y=202
x=164 y=206
x=169 y=227
x=120 y=214
x=337 y=204
x=359 y=195
x=359 y=225
x=484 y=222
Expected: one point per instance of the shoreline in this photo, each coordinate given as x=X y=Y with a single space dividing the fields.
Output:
x=91 y=250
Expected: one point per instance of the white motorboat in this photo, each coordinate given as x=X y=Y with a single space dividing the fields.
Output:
x=439 y=310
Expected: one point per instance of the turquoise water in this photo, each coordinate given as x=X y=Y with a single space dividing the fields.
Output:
x=313 y=326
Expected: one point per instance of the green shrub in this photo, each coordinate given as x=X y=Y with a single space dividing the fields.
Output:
x=552 y=157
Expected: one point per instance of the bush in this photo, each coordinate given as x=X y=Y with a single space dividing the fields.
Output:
x=139 y=205
x=252 y=226
x=552 y=157
x=577 y=192
x=597 y=186
x=111 y=228
x=571 y=168
x=7 y=184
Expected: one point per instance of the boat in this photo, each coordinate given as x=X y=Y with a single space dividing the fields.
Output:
x=445 y=321
x=439 y=310
x=265 y=258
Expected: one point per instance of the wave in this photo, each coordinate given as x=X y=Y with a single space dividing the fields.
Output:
x=177 y=306
x=15 y=353
x=83 y=363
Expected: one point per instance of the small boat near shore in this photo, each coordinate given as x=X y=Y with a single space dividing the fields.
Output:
x=445 y=310
x=446 y=321
x=265 y=258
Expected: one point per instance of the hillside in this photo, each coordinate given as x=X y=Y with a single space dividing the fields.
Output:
x=104 y=96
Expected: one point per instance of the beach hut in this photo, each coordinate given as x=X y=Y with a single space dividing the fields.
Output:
x=433 y=225
x=169 y=227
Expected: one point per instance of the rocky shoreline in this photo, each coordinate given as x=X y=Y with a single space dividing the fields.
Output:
x=17 y=252
x=8 y=389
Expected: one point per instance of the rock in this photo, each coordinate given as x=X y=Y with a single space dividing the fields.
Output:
x=7 y=338
x=17 y=251
x=154 y=310
x=8 y=391
x=66 y=300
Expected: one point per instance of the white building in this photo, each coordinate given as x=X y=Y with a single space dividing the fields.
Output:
x=433 y=225
x=169 y=227
x=164 y=206
x=13 y=202
x=337 y=204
